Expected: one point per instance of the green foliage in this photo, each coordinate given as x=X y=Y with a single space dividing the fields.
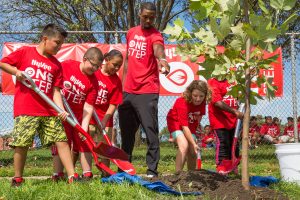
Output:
x=282 y=4
x=222 y=25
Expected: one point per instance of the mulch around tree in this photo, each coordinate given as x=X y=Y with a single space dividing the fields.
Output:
x=216 y=186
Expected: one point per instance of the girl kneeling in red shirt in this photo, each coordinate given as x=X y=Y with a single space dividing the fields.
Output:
x=183 y=119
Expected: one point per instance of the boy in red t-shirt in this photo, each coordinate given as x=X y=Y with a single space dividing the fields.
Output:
x=31 y=113
x=183 y=119
x=208 y=138
x=109 y=95
x=269 y=131
x=223 y=114
x=288 y=134
x=80 y=88
x=254 y=136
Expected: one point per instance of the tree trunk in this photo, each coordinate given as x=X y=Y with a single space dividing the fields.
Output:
x=246 y=120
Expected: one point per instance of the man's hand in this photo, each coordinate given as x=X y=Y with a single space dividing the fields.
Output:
x=63 y=115
x=163 y=66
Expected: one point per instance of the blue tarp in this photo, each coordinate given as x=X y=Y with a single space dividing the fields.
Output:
x=156 y=186
x=263 y=181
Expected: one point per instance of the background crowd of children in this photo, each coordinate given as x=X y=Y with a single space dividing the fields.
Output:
x=267 y=130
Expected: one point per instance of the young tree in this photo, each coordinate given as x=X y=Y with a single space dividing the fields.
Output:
x=245 y=33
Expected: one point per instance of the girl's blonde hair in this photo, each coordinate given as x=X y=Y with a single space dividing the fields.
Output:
x=197 y=85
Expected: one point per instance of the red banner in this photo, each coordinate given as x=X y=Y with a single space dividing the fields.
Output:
x=181 y=75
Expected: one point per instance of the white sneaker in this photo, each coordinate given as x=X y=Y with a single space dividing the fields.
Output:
x=149 y=175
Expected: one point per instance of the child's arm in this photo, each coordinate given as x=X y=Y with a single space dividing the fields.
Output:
x=87 y=115
x=11 y=70
x=187 y=133
x=223 y=106
x=109 y=113
x=58 y=101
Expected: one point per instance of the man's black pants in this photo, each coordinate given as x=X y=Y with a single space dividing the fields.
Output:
x=136 y=110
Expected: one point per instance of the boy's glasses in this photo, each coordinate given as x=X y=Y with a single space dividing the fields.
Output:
x=96 y=66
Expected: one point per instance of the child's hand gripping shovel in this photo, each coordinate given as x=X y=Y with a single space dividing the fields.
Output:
x=125 y=166
x=28 y=82
x=237 y=131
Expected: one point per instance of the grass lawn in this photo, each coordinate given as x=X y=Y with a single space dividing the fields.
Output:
x=39 y=163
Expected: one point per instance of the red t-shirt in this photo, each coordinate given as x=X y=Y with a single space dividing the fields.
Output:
x=253 y=129
x=206 y=137
x=109 y=92
x=270 y=129
x=184 y=114
x=46 y=73
x=289 y=130
x=219 y=118
x=142 y=72
x=78 y=88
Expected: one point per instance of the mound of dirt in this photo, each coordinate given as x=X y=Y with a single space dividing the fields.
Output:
x=216 y=186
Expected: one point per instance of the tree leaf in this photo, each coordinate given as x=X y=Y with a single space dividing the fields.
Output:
x=179 y=22
x=282 y=4
x=238 y=31
x=221 y=31
x=223 y=4
x=207 y=37
x=250 y=32
x=174 y=31
x=225 y=26
x=260 y=80
x=262 y=6
x=285 y=25
x=236 y=44
x=233 y=9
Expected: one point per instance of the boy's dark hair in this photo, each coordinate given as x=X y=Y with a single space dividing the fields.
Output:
x=290 y=119
x=275 y=119
x=268 y=117
x=94 y=54
x=112 y=54
x=148 y=6
x=253 y=118
x=52 y=30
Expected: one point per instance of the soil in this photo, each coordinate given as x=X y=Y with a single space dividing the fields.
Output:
x=216 y=186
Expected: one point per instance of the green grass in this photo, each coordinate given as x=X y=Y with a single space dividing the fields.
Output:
x=262 y=161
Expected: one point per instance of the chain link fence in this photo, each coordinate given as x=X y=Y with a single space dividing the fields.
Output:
x=283 y=107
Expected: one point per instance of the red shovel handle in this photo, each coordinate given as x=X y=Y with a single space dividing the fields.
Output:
x=199 y=161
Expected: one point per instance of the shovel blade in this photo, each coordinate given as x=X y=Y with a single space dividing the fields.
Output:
x=110 y=151
x=125 y=166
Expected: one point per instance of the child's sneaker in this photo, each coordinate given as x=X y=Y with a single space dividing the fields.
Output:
x=74 y=178
x=58 y=176
x=86 y=176
x=225 y=167
x=17 y=181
